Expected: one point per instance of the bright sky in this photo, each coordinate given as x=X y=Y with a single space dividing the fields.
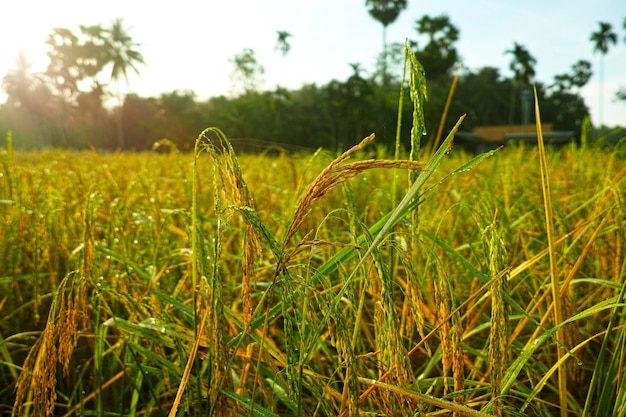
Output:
x=187 y=44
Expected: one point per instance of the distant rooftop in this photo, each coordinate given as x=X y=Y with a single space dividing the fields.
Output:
x=499 y=132
x=484 y=138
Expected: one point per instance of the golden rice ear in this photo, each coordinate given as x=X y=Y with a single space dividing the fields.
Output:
x=55 y=346
x=335 y=174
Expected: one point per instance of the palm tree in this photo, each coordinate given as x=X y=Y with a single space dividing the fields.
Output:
x=119 y=51
x=523 y=66
x=282 y=43
x=602 y=39
x=386 y=12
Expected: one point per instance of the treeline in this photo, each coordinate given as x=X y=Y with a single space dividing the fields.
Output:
x=69 y=105
x=334 y=115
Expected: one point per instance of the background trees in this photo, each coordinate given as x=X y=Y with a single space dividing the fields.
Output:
x=439 y=56
x=72 y=91
x=118 y=51
x=69 y=104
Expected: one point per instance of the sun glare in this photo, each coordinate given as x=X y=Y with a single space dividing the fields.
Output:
x=25 y=32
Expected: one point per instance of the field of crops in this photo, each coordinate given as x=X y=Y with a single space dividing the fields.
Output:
x=292 y=284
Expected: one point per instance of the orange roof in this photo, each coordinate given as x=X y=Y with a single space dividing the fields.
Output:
x=498 y=132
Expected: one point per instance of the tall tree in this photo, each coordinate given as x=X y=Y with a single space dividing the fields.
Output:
x=386 y=12
x=602 y=40
x=120 y=53
x=523 y=67
x=76 y=59
x=282 y=43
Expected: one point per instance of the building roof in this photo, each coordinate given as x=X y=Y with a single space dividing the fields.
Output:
x=499 y=132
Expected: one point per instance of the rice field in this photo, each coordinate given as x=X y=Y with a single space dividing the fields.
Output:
x=311 y=284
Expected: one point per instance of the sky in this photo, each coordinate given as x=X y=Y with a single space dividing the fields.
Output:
x=187 y=45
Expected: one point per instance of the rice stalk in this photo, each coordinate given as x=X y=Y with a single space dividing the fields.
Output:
x=446 y=108
x=189 y=366
x=38 y=378
x=499 y=332
x=556 y=294
x=443 y=305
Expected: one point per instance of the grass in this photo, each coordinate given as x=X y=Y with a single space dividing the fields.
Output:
x=302 y=284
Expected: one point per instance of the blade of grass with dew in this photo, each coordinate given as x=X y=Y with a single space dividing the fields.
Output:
x=556 y=292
